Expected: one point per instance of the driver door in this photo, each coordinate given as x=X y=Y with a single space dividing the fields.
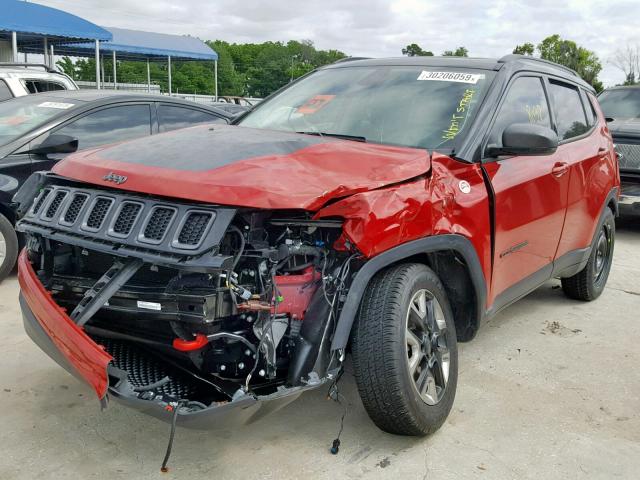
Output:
x=530 y=196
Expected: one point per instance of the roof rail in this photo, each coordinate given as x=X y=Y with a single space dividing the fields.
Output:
x=350 y=59
x=513 y=56
x=29 y=65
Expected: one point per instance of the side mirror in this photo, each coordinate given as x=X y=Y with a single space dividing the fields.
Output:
x=525 y=139
x=56 y=144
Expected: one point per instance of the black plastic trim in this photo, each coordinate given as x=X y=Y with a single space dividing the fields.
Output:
x=457 y=243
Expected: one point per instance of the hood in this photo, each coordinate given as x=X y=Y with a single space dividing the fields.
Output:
x=628 y=127
x=239 y=166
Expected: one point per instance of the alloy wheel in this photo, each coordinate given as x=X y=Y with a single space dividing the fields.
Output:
x=428 y=356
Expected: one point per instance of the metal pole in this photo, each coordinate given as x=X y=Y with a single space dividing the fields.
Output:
x=215 y=70
x=148 y=77
x=115 y=75
x=14 y=45
x=52 y=63
x=98 y=64
x=169 y=70
x=46 y=49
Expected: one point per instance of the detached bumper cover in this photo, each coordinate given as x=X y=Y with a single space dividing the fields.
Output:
x=57 y=335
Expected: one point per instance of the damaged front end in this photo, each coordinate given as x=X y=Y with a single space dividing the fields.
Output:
x=218 y=314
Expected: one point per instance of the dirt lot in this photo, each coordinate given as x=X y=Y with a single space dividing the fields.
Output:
x=549 y=389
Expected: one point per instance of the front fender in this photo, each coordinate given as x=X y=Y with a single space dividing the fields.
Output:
x=447 y=242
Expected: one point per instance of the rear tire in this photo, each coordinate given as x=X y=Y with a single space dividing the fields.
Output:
x=589 y=283
x=405 y=353
x=8 y=247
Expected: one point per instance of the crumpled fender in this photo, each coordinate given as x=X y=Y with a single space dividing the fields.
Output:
x=434 y=204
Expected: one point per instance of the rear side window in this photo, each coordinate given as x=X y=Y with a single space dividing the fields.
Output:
x=525 y=102
x=39 y=86
x=5 y=93
x=570 y=117
x=592 y=116
x=172 y=117
x=110 y=125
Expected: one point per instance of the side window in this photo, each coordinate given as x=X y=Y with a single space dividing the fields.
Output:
x=525 y=103
x=38 y=86
x=171 y=117
x=110 y=125
x=592 y=116
x=570 y=117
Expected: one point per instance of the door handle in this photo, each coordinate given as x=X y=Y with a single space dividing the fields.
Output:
x=560 y=168
x=602 y=152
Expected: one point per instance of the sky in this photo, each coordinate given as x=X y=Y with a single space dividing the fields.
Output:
x=380 y=28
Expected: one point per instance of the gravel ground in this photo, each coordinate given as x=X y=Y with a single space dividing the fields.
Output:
x=550 y=388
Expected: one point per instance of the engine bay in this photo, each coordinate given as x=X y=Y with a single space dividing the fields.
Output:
x=254 y=317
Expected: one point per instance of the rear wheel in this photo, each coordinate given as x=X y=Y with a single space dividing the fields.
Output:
x=589 y=283
x=8 y=247
x=405 y=352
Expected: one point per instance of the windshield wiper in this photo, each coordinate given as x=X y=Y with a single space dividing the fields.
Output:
x=354 y=138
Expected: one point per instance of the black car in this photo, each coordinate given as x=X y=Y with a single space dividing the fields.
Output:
x=38 y=130
x=621 y=105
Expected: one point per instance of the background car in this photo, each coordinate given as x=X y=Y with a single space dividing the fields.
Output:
x=38 y=130
x=621 y=106
x=19 y=79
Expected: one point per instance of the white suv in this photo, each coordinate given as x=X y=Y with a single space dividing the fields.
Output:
x=18 y=79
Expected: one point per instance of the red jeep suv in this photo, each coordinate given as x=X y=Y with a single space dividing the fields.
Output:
x=378 y=208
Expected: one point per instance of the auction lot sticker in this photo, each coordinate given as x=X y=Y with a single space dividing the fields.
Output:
x=59 y=105
x=459 y=77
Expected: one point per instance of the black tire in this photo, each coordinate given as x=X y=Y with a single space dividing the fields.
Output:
x=381 y=351
x=9 y=238
x=589 y=283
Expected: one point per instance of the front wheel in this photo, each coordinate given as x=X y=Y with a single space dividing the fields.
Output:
x=405 y=353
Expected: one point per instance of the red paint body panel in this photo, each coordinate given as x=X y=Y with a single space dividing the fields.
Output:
x=530 y=205
x=305 y=179
x=594 y=172
x=382 y=219
x=86 y=356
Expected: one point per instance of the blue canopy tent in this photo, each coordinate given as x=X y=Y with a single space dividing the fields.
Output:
x=34 y=28
x=137 y=45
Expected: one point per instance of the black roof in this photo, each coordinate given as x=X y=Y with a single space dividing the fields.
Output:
x=512 y=61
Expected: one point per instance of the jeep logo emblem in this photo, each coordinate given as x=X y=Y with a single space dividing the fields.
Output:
x=112 y=177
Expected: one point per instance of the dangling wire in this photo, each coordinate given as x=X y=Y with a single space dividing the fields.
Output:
x=174 y=419
x=334 y=394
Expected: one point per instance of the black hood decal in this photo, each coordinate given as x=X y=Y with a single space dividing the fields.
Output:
x=208 y=147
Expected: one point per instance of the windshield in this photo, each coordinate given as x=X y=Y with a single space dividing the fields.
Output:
x=622 y=103
x=412 y=106
x=20 y=115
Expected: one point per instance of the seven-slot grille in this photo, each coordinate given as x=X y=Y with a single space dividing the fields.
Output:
x=125 y=221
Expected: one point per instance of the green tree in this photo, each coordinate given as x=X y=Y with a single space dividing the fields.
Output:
x=415 y=50
x=568 y=53
x=251 y=69
x=67 y=66
x=458 y=52
x=525 y=49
